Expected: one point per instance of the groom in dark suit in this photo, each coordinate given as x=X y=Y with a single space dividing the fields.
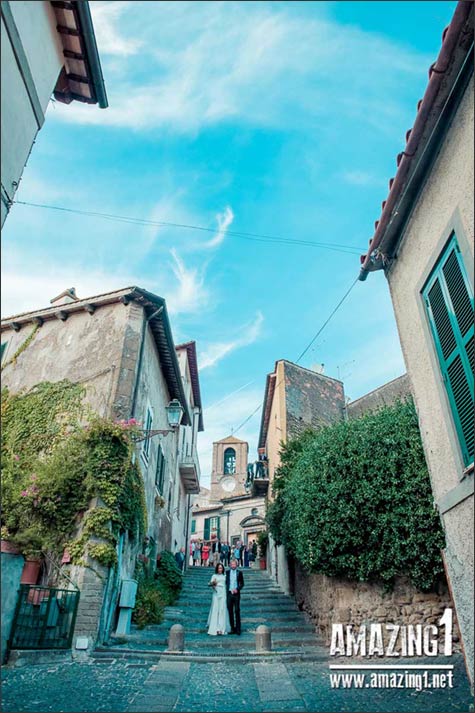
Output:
x=234 y=584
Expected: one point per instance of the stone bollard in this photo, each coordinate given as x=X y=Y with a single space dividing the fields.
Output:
x=176 y=638
x=263 y=639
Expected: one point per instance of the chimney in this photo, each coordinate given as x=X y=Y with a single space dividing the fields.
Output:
x=318 y=368
x=65 y=298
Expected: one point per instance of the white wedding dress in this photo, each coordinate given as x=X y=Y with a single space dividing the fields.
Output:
x=218 y=619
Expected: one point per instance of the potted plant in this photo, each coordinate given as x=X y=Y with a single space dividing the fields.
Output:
x=262 y=541
x=29 y=543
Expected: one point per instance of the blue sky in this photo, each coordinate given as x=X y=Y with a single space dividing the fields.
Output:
x=281 y=118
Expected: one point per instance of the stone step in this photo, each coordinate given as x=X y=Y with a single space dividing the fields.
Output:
x=206 y=592
x=205 y=656
x=248 y=624
x=199 y=641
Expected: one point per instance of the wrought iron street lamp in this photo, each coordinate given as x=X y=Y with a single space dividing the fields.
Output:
x=174 y=414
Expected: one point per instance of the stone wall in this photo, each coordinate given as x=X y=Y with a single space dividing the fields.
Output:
x=334 y=600
x=385 y=395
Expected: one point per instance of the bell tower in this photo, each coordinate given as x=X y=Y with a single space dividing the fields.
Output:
x=229 y=473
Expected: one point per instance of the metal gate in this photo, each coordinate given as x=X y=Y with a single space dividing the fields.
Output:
x=44 y=618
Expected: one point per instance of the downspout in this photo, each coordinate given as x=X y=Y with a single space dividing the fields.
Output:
x=187 y=525
x=120 y=544
x=436 y=74
x=145 y=322
x=84 y=14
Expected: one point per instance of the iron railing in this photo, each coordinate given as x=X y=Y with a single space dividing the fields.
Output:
x=44 y=618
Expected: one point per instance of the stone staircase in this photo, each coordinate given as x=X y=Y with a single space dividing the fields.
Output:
x=262 y=602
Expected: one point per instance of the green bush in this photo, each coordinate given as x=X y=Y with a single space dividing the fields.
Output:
x=168 y=576
x=149 y=604
x=354 y=500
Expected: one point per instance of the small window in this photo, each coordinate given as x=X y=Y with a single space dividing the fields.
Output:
x=2 y=349
x=193 y=527
x=254 y=511
x=229 y=461
x=148 y=427
x=448 y=298
x=160 y=471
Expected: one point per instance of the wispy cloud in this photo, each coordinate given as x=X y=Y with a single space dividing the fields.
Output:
x=107 y=17
x=190 y=294
x=224 y=220
x=362 y=178
x=255 y=63
x=215 y=352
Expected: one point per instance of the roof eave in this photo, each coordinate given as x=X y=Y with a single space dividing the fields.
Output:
x=441 y=99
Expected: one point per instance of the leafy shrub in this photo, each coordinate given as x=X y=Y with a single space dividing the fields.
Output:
x=169 y=577
x=149 y=604
x=354 y=500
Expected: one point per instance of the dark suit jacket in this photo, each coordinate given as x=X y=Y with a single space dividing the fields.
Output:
x=240 y=580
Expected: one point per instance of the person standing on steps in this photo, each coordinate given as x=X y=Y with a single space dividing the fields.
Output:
x=234 y=584
x=218 y=619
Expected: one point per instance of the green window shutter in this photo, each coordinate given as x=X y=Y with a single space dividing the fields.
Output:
x=160 y=471
x=448 y=298
x=193 y=527
x=206 y=529
x=2 y=349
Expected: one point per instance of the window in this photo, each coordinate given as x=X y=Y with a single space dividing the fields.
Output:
x=146 y=442
x=229 y=461
x=160 y=471
x=211 y=528
x=193 y=527
x=2 y=349
x=448 y=299
x=254 y=511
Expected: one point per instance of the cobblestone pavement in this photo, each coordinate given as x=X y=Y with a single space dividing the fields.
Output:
x=181 y=686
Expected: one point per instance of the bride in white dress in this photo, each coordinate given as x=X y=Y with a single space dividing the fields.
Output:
x=218 y=619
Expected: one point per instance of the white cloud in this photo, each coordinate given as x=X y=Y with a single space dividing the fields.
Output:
x=224 y=220
x=214 y=353
x=28 y=289
x=210 y=62
x=106 y=17
x=190 y=295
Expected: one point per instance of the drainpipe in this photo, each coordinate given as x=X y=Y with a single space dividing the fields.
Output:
x=145 y=322
x=436 y=74
x=84 y=14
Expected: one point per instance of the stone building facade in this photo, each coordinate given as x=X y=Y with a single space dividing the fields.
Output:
x=120 y=347
x=424 y=241
x=233 y=509
x=295 y=399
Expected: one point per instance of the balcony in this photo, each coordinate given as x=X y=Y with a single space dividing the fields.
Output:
x=257 y=483
x=190 y=472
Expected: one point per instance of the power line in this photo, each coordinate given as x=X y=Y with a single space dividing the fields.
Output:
x=332 y=313
x=326 y=321
x=256 y=237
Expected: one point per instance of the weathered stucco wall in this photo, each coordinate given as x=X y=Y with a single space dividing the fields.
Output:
x=334 y=600
x=84 y=348
x=446 y=204
x=385 y=395
x=153 y=393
